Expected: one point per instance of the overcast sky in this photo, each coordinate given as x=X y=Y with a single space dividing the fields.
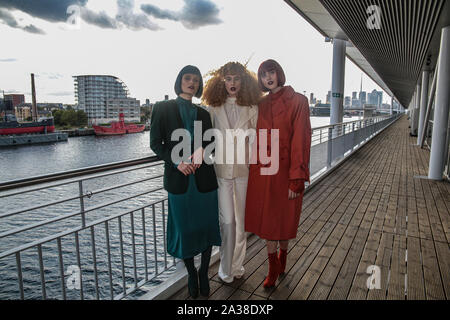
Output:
x=146 y=42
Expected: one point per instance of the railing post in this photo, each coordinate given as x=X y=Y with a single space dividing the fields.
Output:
x=80 y=189
x=330 y=146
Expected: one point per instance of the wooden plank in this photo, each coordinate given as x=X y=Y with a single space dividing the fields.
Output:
x=413 y=219
x=443 y=257
x=222 y=293
x=422 y=216
x=433 y=215
x=400 y=216
x=443 y=211
x=390 y=217
x=434 y=288
x=383 y=261
x=359 y=289
x=288 y=283
x=308 y=281
x=240 y=295
x=396 y=285
x=380 y=213
x=325 y=283
x=347 y=272
x=415 y=289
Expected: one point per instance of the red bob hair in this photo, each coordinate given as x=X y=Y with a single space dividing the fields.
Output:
x=270 y=65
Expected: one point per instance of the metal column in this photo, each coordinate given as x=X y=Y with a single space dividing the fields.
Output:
x=438 y=145
x=423 y=104
x=415 y=110
x=338 y=79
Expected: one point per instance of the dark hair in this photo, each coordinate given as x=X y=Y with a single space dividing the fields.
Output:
x=191 y=70
x=270 y=65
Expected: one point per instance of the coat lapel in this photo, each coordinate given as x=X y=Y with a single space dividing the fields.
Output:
x=222 y=117
x=245 y=114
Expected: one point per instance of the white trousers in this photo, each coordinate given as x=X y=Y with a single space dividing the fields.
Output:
x=232 y=194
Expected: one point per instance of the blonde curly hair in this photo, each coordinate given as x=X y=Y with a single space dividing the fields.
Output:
x=215 y=93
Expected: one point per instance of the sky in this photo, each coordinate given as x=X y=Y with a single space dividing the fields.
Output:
x=145 y=43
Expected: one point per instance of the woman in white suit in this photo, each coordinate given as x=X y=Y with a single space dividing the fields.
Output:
x=232 y=95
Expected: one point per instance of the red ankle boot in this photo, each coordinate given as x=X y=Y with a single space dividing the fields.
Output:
x=274 y=270
x=282 y=258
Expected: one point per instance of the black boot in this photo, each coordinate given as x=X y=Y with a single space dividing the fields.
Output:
x=203 y=272
x=192 y=277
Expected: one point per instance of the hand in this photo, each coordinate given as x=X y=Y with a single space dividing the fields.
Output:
x=292 y=195
x=197 y=158
x=186 y=168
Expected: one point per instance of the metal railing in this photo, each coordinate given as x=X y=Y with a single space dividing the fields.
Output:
x=333 y=143
x=104 y=237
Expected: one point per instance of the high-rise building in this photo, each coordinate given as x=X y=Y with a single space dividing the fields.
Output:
x=328 y=97
x=347 y=102
x=362 y=98
x=376 y=98
x=94 y=93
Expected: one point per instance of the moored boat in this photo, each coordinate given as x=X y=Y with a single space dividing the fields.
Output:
x=118 y=128
x=10 y=126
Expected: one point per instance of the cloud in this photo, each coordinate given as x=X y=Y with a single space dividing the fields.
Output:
x=194 y=14
x=100 y=19
x=50 y=10
x=132 y=20
x=8 y=60
x=33 y=29
x=9 y=20
x=50 y=75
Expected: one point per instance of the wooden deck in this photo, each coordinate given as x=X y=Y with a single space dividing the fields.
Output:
x=373 y=210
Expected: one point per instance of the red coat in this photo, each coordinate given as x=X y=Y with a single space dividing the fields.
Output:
x=269 y=213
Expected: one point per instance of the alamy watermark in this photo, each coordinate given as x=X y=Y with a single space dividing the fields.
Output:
x=374 y=281
x=374 y=20
x=74 y=279
x=74 y=20
x=236 y=147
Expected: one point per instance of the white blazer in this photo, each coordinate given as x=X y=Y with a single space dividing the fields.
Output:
x=233 y=138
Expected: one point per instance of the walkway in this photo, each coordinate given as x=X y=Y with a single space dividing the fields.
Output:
x=375 y=209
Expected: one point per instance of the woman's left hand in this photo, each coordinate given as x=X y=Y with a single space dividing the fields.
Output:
x=197 y=158
x=292 y=195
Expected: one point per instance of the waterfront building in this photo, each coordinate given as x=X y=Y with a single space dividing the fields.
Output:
x=93 y=92
x=130 y=107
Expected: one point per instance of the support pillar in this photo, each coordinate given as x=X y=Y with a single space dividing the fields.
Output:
x=338 y=79
x=438 y=145
x=392 y=106
x=415 y=110
x=423 y=105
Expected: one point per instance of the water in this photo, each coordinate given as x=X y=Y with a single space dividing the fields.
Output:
x=79 y=152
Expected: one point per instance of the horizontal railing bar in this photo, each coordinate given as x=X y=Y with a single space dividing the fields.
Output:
x=73 y=173
x=73 y=230
x=40 y=224
x=77 y=197
x=77 y=180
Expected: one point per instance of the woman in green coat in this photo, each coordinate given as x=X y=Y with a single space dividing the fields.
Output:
x=193 y=219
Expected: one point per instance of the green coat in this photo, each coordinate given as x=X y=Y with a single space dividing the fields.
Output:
x=165 y=119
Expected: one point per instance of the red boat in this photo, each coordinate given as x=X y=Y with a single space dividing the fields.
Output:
x=10 y=126
x=118 y=128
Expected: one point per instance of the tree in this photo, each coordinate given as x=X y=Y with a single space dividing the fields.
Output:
x=82 y=118
x=57 y=117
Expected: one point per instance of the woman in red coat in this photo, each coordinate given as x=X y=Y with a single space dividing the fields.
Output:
x=274 y=199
